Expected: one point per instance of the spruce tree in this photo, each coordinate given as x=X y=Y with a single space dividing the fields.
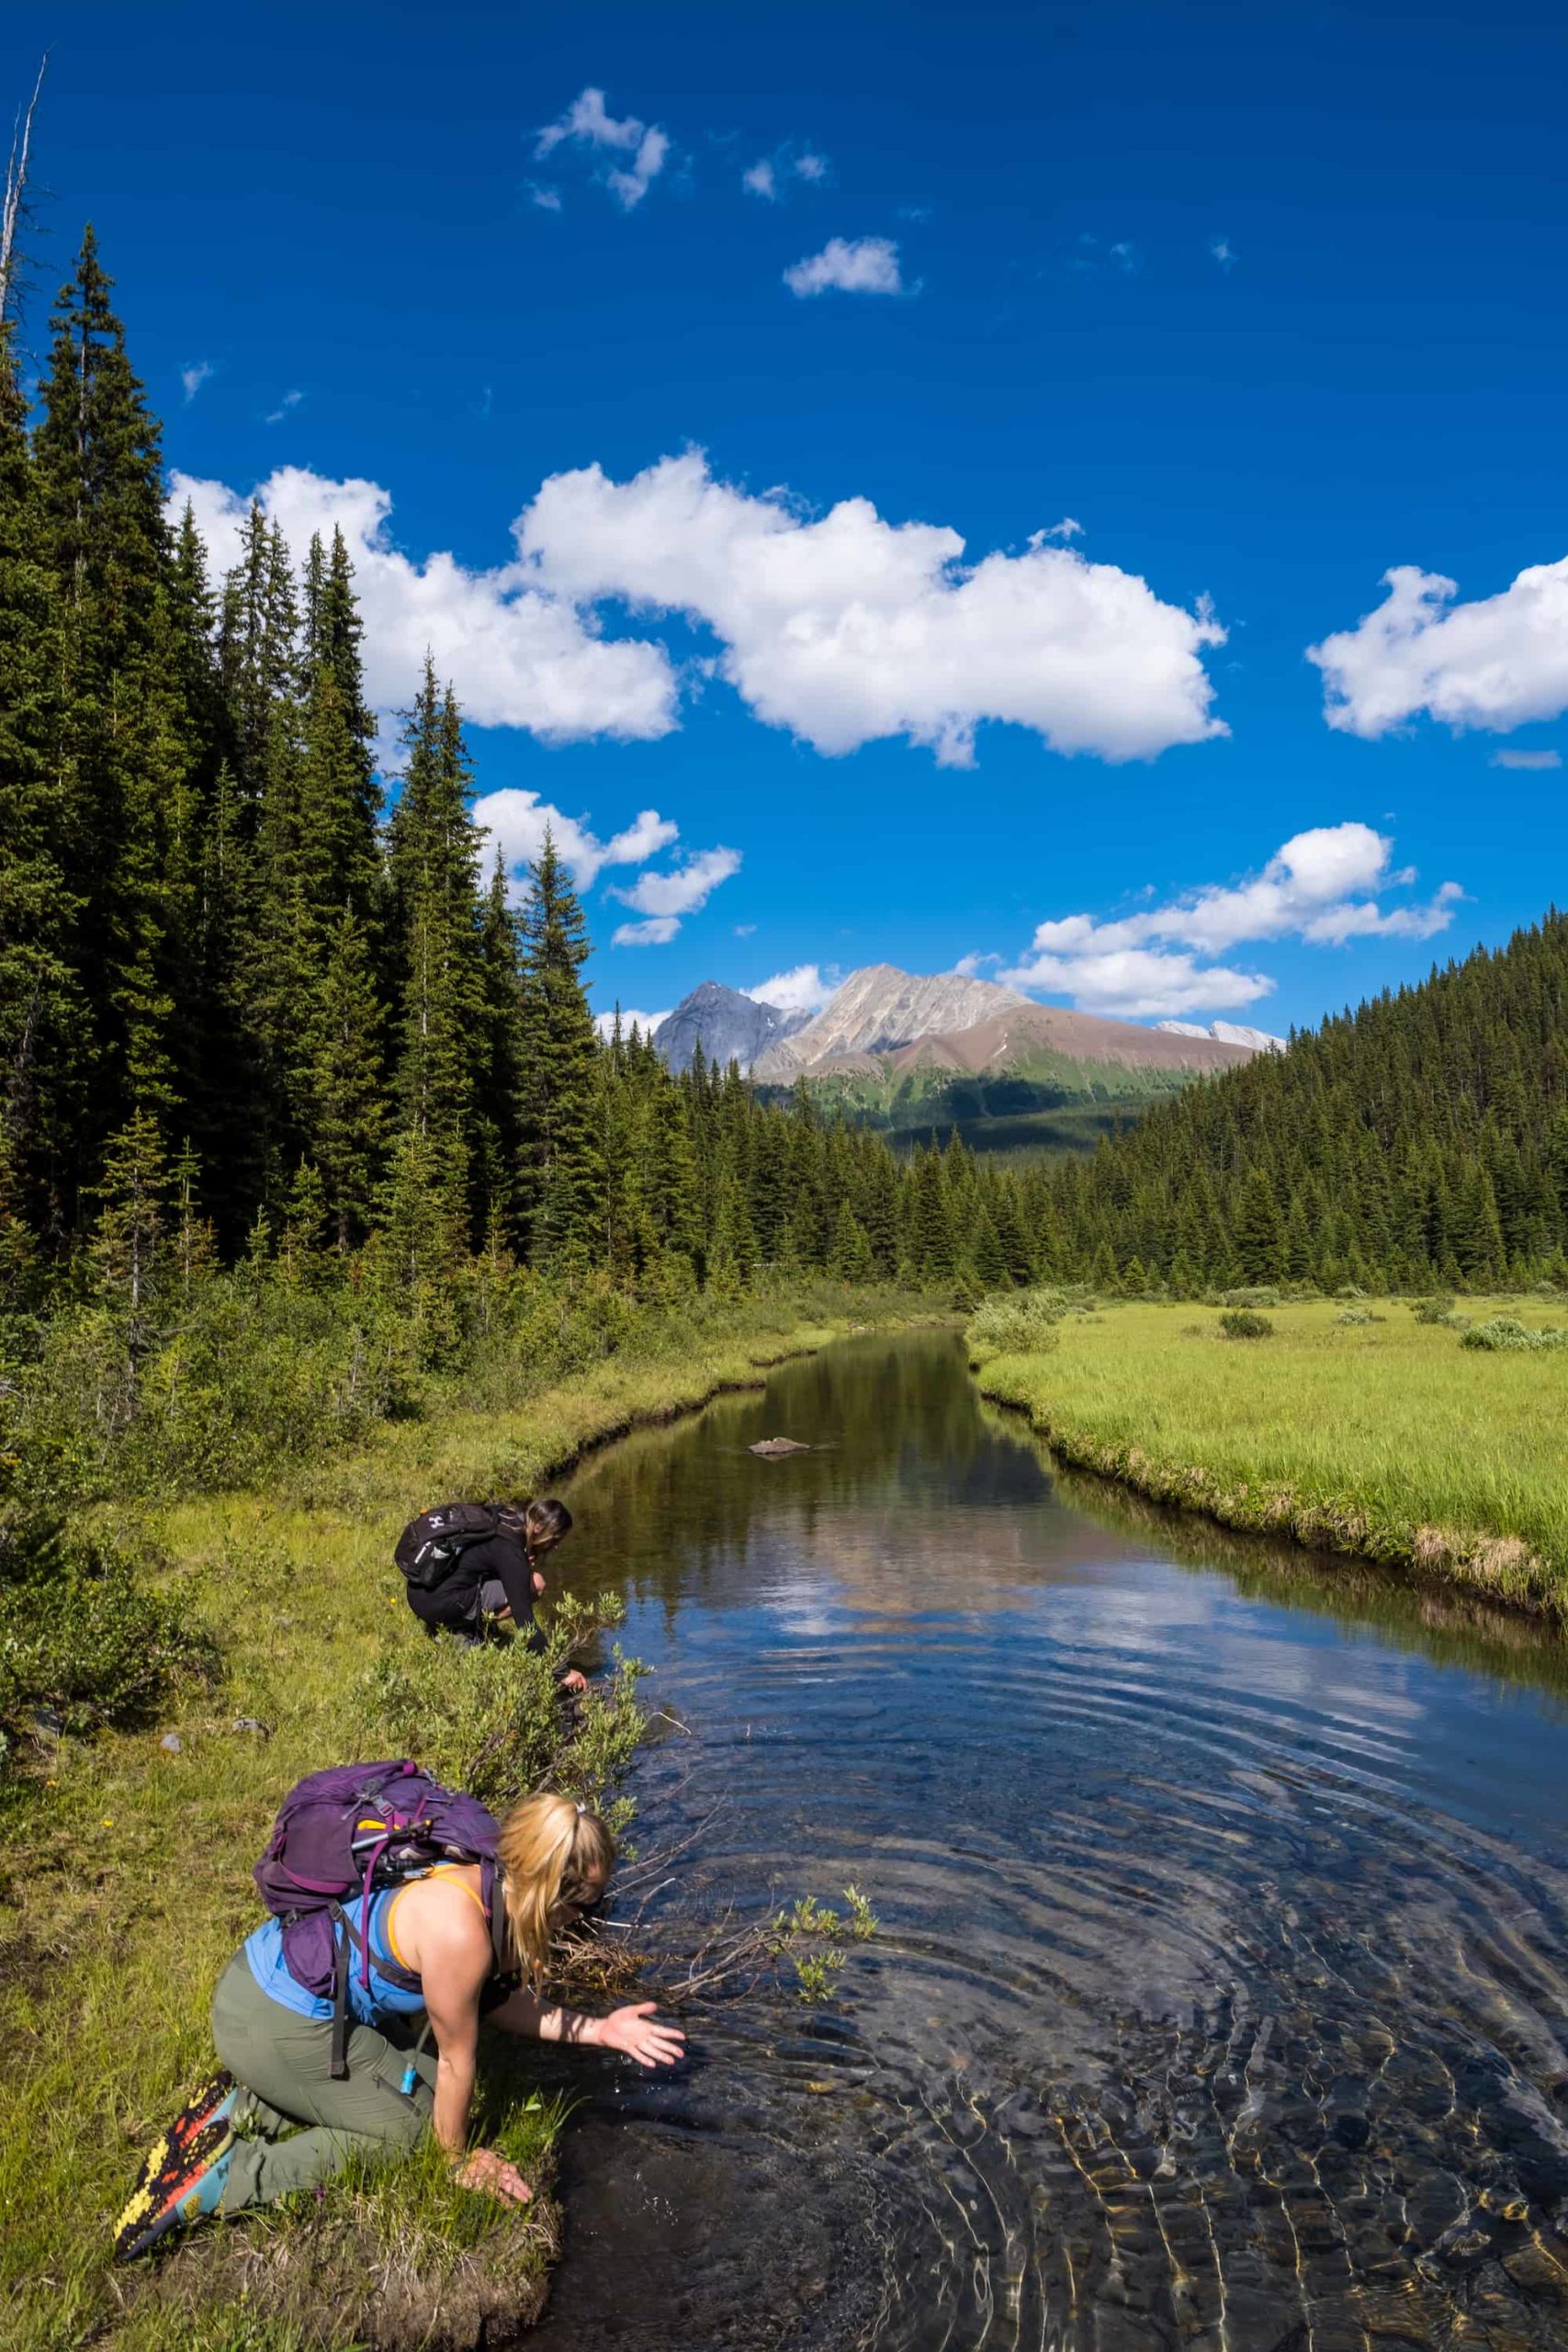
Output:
x=44 y=1047
x=346 y=1108
x=123 y=748
x=501 y=1050
x=436 y=876
x=562 y=1166
x=1259 y=1235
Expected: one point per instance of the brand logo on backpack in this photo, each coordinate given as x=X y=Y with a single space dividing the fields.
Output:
x=431 y=1545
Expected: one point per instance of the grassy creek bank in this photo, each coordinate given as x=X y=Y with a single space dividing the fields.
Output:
x=126 y=1879
x=1379 y=1437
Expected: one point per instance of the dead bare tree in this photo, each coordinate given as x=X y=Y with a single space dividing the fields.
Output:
x=14 y=210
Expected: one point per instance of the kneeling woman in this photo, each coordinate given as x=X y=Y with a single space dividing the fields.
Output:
x=238 y=2145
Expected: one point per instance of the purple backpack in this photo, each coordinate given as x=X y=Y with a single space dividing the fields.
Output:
x=342 y=1835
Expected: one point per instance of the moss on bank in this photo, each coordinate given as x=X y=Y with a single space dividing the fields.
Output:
x=1383 y=1439
x=127 y=1882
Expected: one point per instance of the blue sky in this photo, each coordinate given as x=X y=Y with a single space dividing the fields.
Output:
x=1264 y=300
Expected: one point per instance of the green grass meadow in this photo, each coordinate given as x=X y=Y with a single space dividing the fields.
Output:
x=1386 y=1437
x=127 y=1885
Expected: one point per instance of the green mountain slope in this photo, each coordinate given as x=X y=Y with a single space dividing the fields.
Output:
x=1045 y=1104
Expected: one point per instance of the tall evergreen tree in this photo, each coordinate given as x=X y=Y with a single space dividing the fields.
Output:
x=562 y=1165
x=43 y=1045
x=123 y=750
x=435 y=881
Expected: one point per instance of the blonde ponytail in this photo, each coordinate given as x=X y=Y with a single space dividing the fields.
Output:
x=551 y=1853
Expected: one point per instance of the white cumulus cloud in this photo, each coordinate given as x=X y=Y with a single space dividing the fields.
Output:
x=663 y=899
x=806 y=989
x=847 y=630
x=1221 y=251
x=1528 y=760
x=810 y=168
x=200 y=372
x=760 y=179
x=647 y=1022
x=517 y=822
x=1495 y=663
x=518 y=654
x=857 y=265
x=588 y=123
x=1324 y=885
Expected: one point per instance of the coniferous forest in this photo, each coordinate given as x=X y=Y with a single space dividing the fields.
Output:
x=1419 y=1142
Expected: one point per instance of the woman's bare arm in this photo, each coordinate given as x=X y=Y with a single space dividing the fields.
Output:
x=631 y=2030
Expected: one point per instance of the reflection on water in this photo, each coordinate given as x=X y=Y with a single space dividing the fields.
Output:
x=1220 y=1995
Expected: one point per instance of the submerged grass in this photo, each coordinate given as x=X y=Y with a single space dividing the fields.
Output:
x=126 y=1883
x=1387 y=1440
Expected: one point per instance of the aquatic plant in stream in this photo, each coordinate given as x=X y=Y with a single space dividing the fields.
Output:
x=811 y=1937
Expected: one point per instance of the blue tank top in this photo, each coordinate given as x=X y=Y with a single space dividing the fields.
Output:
x=370 y=2004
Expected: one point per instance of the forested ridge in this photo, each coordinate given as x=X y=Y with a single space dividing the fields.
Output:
x=1420 y=1139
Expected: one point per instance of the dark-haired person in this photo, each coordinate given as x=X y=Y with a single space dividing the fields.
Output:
x=499 y=1578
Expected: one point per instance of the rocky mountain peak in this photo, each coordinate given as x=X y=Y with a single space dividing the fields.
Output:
x=879 y=1008
x=728 y=1026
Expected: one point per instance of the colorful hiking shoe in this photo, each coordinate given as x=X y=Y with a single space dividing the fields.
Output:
x=194 y=2144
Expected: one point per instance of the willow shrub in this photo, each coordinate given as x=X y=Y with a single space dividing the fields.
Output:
x=1245 y=1323
x=491 y=1720
x=82 y=1642
x=1506 y=1333
x=1018 y=1323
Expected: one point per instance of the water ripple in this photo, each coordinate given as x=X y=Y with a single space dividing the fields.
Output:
x=1219 y=1999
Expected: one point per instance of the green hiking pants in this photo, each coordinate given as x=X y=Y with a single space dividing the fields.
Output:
x=284 y=2065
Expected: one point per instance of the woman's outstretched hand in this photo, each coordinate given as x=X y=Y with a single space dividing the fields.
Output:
x=633 y=2032
x=487 y=2170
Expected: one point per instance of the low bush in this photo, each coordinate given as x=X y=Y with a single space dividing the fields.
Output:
x=1251 y=1294
x=490 y=1719
x=82 y=1642
x=1506 y=1332
x=1243 y=1323
x=1359 y=1315
x=1436 y=1309
x=1021 y=1322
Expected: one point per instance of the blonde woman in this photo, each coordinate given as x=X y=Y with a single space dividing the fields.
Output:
x=238 y=2145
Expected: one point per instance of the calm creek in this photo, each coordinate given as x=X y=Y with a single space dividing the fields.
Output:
x=1220 y=1995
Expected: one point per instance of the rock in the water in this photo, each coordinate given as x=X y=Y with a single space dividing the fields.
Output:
x=172 y=1742
x=769 y=1447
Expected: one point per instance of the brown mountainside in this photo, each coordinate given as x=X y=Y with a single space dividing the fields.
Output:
x=885 y=1022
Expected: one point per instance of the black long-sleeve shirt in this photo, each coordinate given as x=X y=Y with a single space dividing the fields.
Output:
x=455 y=1602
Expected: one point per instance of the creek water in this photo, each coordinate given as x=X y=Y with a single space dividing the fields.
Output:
x=1220 y=1993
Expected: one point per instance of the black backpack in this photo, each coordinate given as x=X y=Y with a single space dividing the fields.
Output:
x=430 y=1547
